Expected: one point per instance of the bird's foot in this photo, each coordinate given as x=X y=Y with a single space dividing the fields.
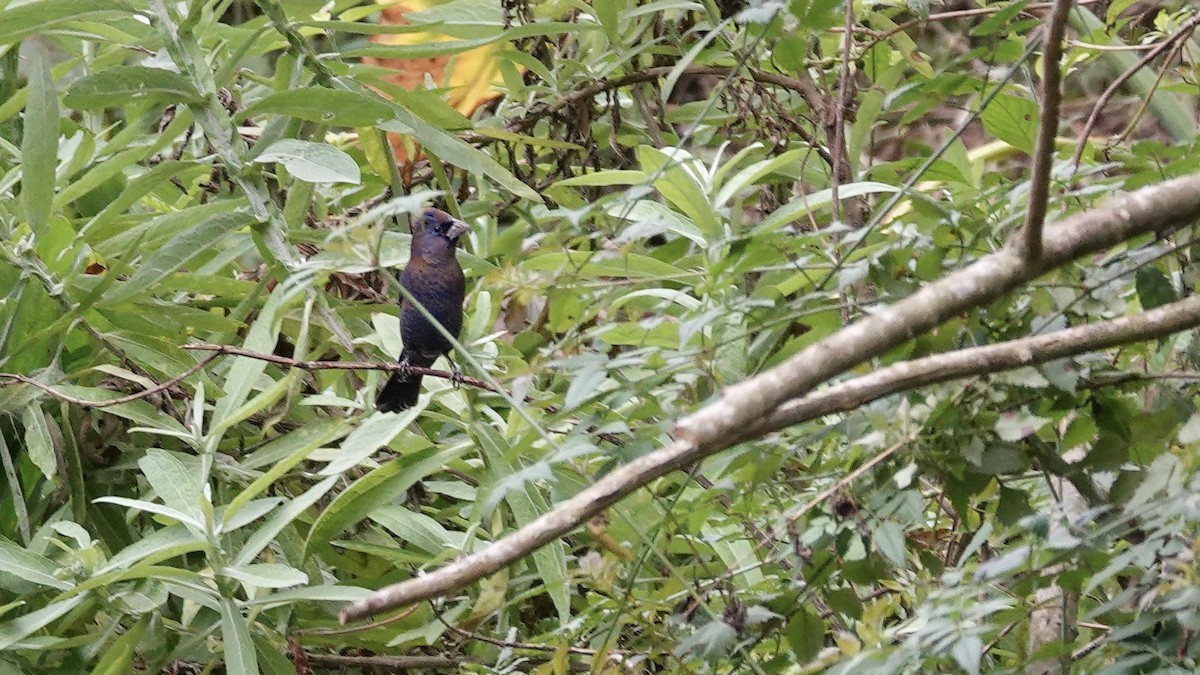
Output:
x=456 y=376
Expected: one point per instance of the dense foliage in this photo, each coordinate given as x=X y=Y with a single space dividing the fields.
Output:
x=655 y=215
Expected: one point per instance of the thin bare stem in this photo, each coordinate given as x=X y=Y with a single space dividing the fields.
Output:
x=13 y=378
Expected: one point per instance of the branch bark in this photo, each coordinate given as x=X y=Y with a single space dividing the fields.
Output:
x=1043 y=153
x=755 y=407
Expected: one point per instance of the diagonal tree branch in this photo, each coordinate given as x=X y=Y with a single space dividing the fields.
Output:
x=760 y=404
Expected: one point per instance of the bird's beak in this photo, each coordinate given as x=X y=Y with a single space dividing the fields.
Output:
x=457 y=229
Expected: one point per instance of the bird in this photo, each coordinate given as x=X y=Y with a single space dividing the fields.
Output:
x=435 y=279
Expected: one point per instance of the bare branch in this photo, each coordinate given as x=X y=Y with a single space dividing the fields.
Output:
x=739 y=414
x=1161 y=207
x=227 y=350
x=1043 y=154
x=13 y=378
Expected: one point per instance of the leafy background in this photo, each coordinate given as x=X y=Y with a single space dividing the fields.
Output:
x=653 y=217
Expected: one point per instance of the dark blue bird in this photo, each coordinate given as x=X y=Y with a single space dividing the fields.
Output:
x=434 y=277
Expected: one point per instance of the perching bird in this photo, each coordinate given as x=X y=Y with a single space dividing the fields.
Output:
x=434 y=277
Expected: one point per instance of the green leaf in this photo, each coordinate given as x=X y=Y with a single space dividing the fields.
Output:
x=266 y=533
x=176 y=482
x=25 y=564
x=380 y=486
x=889 y=539
x=676 y=177
x=238 y=647
x=375 y=432
x=1013 y=426
x=605 y=178
x=968 y=652
x=266 y=575
x=453 y=150
x=1154 y=289
x=38 y=441
x=811 y=202
x=39 y=141
x=22 y=627
x=154 y=507
x=335 y=107
x=590 y=264
x=1189 y=433
x=24 y=20
x=118 y=657
x=141 y=411
x=1013 y=120
x=312 y=162
x=118 y=86
x=755 y=172
x=244 y=372
x=805 y=634
x=179 y=251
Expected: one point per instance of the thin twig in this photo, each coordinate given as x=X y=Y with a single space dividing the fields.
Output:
x=848 y=479
x=1043 y=154
x=228 y=350
x=805 y=88
x=13 y=378
x=1184 y=31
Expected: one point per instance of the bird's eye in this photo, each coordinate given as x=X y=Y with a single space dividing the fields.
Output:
x=442 y=227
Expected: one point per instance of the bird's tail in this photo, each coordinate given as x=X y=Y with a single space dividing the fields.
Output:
x=400 y=393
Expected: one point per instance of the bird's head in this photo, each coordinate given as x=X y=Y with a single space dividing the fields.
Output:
x=435 y=234
x=438 y=223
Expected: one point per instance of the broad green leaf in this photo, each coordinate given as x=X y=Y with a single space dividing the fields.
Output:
x=889 y=539
x=656 y=214
x=154 y=507
x=756 y=171
x=327 y=593
x=735 y=552
x=32 y=567
x=244 y=372
x=266 y=575
x=21 y=21
x=157 y=546
x=265 y=533
x=312 y=162
x=118 y=657
x=821 y=198
x=1154 y=289
x=117 y=86
x=675 y=176
x=282 y=454
x=140 y=411
x=176 y=482
x=1012 y=119
x=38 y=442
x=605 y=178
x=453 y=150
x=176 y=253
x=39 y=140
x=380 y=486
x=968 y=652
x=22 y=627
x=417 y=529
x=335 y=107
x=235 y=634
x=1015 y=426
x=590 y=264
x=375 y=432
x=805 y=633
